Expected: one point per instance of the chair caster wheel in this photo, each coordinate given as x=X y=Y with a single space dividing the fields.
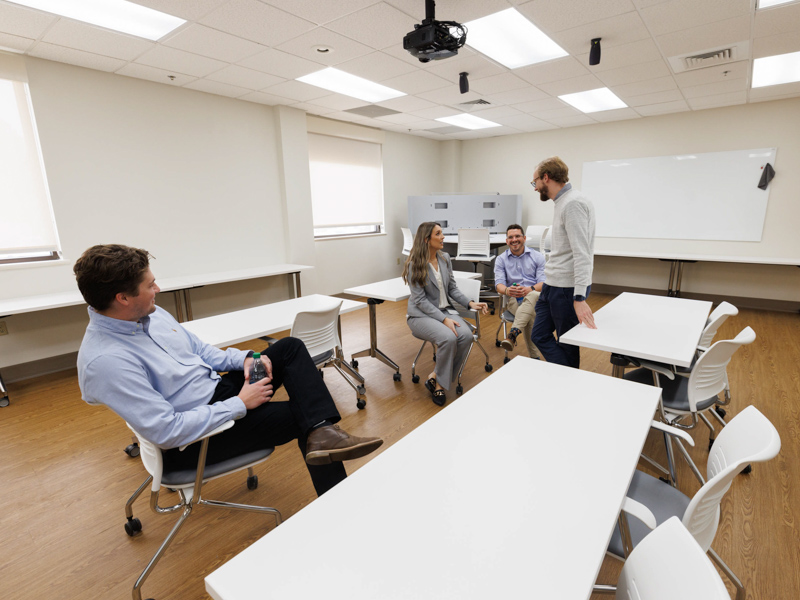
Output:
x=459 y=389
x=491 y=312
x=132 y=450
x=415 y=378
x=252 y=482
x=361 y=403
x=747 y=470
x=497 y=343
x=505 y=360
x=710 y=443
x=488 y=368
x=4 y=401
x=133 y=527
x=397 y=377
x=354 y=363
x=361 y=390
x=720 y=411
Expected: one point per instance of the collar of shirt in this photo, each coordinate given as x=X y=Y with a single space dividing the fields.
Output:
x=118 y=325
x=526 y=250
x=567 y=187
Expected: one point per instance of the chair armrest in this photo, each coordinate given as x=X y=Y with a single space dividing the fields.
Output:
x=660 y=368
x=640 y=511
x=224 y=427
x=673 y=431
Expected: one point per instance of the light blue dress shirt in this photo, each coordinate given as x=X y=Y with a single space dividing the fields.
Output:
x=157 y=376
x=526 y=269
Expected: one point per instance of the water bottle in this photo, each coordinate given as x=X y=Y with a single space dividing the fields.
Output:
x=257 y=370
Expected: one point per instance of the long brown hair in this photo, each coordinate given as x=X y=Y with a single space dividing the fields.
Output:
x=415 y=270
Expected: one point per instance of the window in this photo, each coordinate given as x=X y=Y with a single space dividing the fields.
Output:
x=27 y=226
x=346 y=186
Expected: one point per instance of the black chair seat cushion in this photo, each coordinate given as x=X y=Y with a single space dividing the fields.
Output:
x=507 y=316
x=663 y=500
x=320 y=359
x=185 y=476
x=674 y=393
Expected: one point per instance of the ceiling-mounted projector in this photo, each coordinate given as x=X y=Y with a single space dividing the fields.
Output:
x=434 y=40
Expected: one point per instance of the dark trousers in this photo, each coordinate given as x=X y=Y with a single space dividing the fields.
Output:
x=273 y=423
x=555 y=311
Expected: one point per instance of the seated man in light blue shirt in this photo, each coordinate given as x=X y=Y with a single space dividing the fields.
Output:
x=519 y=273
x=137 y=360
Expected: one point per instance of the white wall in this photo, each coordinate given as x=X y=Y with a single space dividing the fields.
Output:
x=507 y=163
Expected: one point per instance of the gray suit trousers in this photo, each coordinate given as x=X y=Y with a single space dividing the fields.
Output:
x=451 y=350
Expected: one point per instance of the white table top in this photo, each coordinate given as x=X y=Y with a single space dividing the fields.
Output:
x=394 y=290
x=240 y=274
x=497 y=239
x=660 y=328
x=250 y=323
x=484 y=500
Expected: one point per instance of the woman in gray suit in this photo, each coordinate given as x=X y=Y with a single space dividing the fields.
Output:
x=431 y=316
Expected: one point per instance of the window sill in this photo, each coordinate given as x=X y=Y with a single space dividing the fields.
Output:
x=34 y=264
x=348 y=237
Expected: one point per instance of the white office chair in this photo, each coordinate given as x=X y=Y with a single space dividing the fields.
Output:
x=692 y=576
x=748 y=438
x=189 y=485
x=474 y=246
x=408 y=240
x=683 y=397
x=471 y=288
x=319 y=331
x=536 y=237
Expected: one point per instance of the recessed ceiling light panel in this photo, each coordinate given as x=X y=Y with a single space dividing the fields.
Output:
x=119 y=15
x=775 y=70
x=594 y=100
x=350 y=85
x=771 y=3
x=468 y=121
x=511 y=39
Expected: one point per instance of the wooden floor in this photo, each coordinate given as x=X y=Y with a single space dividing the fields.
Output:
x=64 y=478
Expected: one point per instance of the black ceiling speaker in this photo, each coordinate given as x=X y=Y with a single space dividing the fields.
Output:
x=594 y=53
x=463 y=82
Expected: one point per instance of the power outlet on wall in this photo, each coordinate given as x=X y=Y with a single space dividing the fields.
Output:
x=3 y=328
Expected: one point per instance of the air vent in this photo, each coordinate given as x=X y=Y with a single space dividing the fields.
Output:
x=473 y=102
x=710 y=58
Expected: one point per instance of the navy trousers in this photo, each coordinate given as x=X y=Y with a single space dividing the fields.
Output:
x=555 y=311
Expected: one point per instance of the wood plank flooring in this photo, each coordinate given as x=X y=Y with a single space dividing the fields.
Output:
x=64 y=478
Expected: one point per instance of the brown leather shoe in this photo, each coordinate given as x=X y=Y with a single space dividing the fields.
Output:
x=329 y=443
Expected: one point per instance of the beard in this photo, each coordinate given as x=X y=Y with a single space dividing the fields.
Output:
x=543 y=195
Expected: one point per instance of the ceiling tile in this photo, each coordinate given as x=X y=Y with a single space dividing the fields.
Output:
x=711 y=89
x=571 y=86
x=338 y=102
x=619 y=114
x=376 y=66
x=496 y=84
x=75 y=57
x=477 y=65
x=655 y=98
x=558 y=113
x=155 y=74
x=625 y=55
x=424 y=124
x=297 y=90
x=649 y=86
x=460 y=11
x=633 y=73
x=92 y=39
x=435 y=112
x=191 y=10
x=24 y=22
x=417 y=82
x=781 y=19
x=662 y=109
x=343 y=48
x=616 y=31
x=527 y=94
x=217 y=88
x=668 y=17
x=264 y=98
x=378 y=26
x=556 y=15
x=449 y=95
x=552 y=70
x=314 y=109
x=492 y=113
x=704 y=37
x=525 y=123
x=401 y=118
x=541 y=105
x=257 y=22
x=15 y=42
x=280 y=64
x=215 y=44
x=735 y=70
x=783 y=43
x=717 y=100
x=407 y=103
x=572 y=121
x=172 y=59
x=245 y=78
x=321 y=12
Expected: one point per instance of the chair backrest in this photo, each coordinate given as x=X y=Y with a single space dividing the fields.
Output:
x=715 y=319
x=709 y=376
x=152 y=459
x=535 y=236
x=471 y=288
x=474 y=242
x=318 y=329
x=408 y=240
x=692 y=576
x=748 y=438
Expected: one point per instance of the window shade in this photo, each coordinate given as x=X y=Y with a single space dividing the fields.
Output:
x=27 y=224
x=346 y=181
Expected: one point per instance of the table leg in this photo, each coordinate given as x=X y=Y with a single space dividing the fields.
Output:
x=671 y=278
x=373 y=351
x=188 y=302
x=297 y=291
x=178 y=306
x=680 y=276
x=4 y=400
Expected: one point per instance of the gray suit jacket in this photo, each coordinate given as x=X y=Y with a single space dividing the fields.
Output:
x=424 y=301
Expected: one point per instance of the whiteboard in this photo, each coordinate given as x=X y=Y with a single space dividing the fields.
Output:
x=702 y=196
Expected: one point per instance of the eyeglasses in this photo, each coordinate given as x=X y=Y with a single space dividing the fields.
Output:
x=533 y=183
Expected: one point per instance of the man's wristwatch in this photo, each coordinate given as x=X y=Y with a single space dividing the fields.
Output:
x=579 y=298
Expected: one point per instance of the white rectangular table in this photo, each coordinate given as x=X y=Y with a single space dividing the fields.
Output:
x=658 y=328
x=487 y=499
x=392 y=290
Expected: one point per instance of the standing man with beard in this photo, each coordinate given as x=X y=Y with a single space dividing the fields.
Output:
x=568 y=273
